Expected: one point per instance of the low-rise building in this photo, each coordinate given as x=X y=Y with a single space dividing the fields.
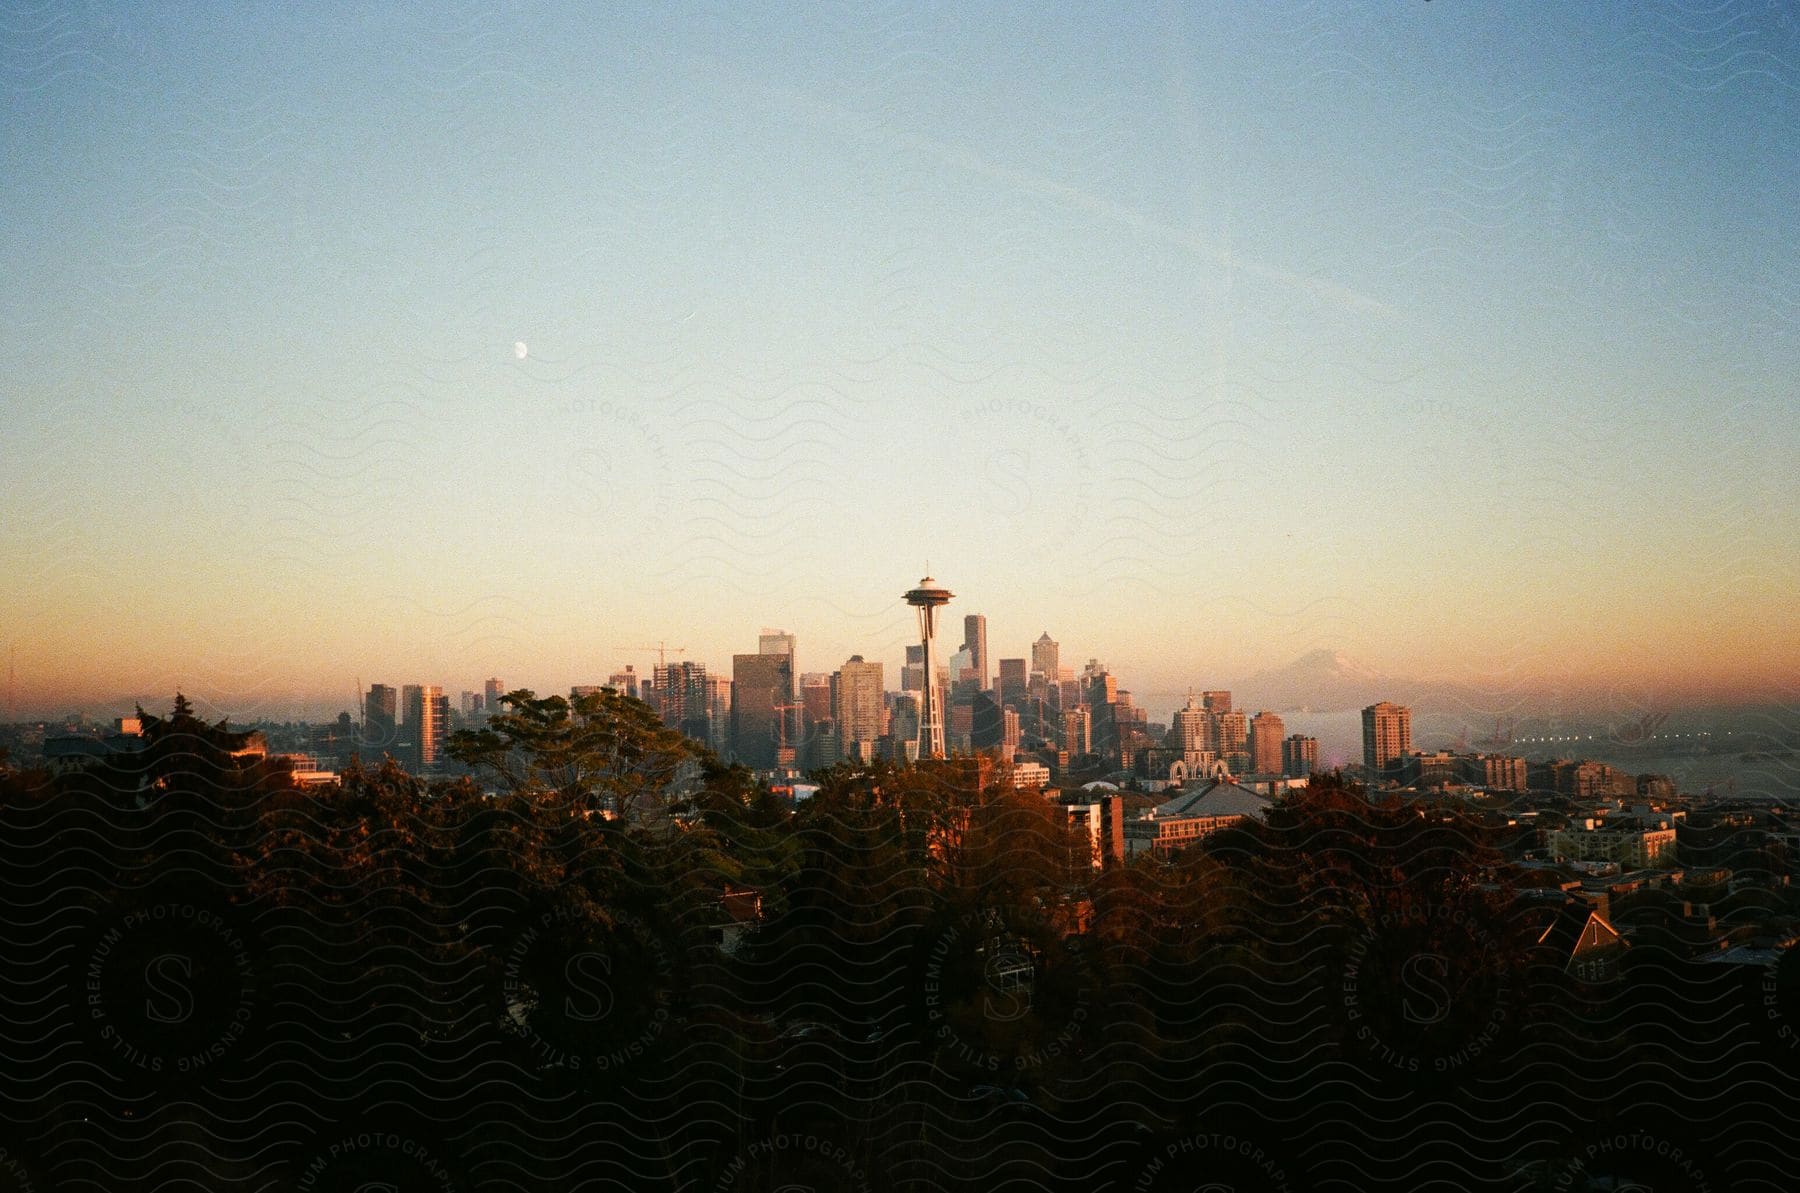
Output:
x=1500 y=772
x=1438 y=768
x=1195 y=812
x=1633 y=844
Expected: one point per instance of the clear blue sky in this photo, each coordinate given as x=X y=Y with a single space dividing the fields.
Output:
x=1458 y=337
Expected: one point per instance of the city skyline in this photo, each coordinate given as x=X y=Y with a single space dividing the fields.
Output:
x=906 y=597
x=1425 y=335
x=1346 y=683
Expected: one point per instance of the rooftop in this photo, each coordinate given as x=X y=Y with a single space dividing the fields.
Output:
x=1219 y=798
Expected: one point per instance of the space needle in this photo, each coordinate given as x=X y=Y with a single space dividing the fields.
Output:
x=926 y=598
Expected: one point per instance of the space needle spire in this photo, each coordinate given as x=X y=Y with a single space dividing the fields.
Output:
x=926 y=598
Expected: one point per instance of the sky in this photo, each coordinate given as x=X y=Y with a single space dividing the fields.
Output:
x=344 y=345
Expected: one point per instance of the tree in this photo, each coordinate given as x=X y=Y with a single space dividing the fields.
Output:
x=605 y=753
x=185 y=755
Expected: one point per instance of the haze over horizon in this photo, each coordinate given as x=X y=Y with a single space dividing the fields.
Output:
x=1460 y=341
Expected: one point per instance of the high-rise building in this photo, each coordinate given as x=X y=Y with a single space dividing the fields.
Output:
x=491 y=691
x=1234 y=732
x=1046 y=657
x=975 y=642
x=959 y=728
x=1266 y=731
x=1102 y=693
x=987 y=727
x=1299 y=755
x=912 y=672
x=903 y=722
x=1191 y=730
x=433 y=725
x=1387 y=737
x=1234 y=740
x=467 y=705
x=815 y=699
x=380 y=717
x=681 y=692
x=823 y=746
x=962 y=671
x=782 y=643
x=1077 y=731
x=718 y=713
x=1012 y=681
x=624 y=682
x=761 y=684
x=412 y=711
x=1011 y=732
x=858 y=703
x=1215 y=701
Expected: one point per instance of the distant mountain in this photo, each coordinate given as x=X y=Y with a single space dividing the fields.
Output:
x=1320 y=681
x=1326 y=682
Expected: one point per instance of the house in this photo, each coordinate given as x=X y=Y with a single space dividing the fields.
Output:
x=1587 y=946
x=740 y=913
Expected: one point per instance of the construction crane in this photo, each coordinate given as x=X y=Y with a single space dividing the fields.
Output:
x=662 y=649
x=781 y=726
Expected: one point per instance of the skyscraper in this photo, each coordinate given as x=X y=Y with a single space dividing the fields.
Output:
x=1266 y=731
x=681 y=689
x=975 y=642
x=903 y=721
x=987 y=726
x=1234 y=740
x=912 y=672
x=433 y=725
x=963 y=680
x=412 y=711
x=1234 y=732
x=959 y=723
x=780 y=642
x=761 y=684
x=380 y=720
x=1192 y=731
x=1077 y=731
x=1387 y=737
x=1012 y=681
x=718 y=713
x=815 y=699
x=1046 y=657
x=858 y=703
x=492 y=690
x=1299 y=755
